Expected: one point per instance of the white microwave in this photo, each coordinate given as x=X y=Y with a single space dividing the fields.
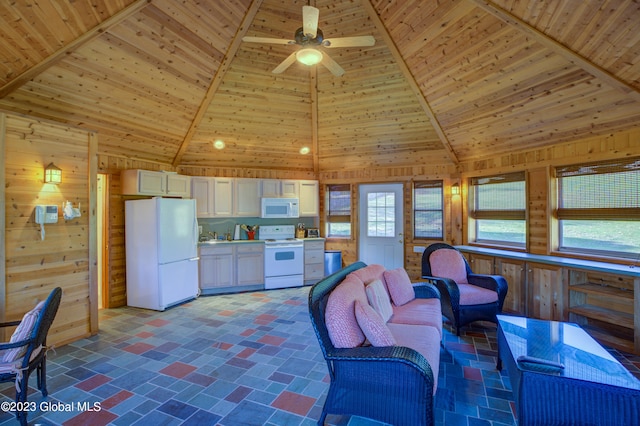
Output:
x=280 y=207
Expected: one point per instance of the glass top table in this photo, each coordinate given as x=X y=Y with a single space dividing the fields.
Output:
x=560 y=375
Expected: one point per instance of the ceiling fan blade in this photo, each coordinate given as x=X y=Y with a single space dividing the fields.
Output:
x=285 y=64
x=310 y=17
x=332 y=66
x=267 y=40
x=349 y=41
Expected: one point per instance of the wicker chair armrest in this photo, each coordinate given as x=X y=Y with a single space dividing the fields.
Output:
x=496 y=283
x=4 y=346
x=426 y=291
x=385 y=354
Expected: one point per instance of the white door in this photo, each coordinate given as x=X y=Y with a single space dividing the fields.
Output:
x=381 y=233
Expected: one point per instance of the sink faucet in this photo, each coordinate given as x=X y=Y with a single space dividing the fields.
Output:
x=213 y=235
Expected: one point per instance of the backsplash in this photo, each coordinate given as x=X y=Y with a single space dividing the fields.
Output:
x=223 y=225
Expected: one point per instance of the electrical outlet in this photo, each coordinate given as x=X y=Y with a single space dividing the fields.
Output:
x=419 y=249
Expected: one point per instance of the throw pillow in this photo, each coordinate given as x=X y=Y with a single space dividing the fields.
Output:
x=399 y=285
x=372 y=325
x=23 y=332
x=448 y=263
x=379 y=299
x=339 y=314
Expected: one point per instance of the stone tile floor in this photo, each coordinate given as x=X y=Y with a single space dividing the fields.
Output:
x=244 y=359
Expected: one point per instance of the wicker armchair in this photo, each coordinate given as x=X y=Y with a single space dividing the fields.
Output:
x=27 y=350
x=392 y=384
x=463 y=294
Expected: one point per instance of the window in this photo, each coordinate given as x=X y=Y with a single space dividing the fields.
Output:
x=428 y=210
x=599 y=208
x=339 y=210
x=498 y=209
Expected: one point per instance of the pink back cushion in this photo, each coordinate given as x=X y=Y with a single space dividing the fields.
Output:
x=340 y=317
x=369 y=273
x=399 y=286
x=373 y=326
x=23 y=332
x=448 y=263
x=379 y=299
x=474 y=295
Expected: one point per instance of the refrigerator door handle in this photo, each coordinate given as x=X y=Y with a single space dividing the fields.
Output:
x=194 y=259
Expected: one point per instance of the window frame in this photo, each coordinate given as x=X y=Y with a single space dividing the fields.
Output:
x=476 y=214
x=428 y=184
x=338 y=218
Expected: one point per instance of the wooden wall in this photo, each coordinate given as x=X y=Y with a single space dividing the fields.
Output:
x=67 y=256
x=406 y=176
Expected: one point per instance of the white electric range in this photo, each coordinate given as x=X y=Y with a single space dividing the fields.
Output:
x=283 y=256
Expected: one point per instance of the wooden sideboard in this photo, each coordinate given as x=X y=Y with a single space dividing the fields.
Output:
x=604 y=298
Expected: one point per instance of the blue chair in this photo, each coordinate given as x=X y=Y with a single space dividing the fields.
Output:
x=465 y=297
x=27 y=350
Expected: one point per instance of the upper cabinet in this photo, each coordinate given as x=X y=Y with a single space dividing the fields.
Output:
x=240 y=197
x=309 y=198
x=247 y=198
x=146 y=182
x=280 y=188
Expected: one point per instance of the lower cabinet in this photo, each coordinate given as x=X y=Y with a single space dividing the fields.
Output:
x=545 y=297
x=228 y=267
x=313 y=261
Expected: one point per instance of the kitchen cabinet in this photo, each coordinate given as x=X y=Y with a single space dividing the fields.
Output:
x=147 y=182
x=202 y=192
x=216 y=267
x=226 y=267
x=276 y=188
x=223 y=189
x=313 y=260
x=309 y=198
x=604 y=298
x=247 y=198
x=249 y=264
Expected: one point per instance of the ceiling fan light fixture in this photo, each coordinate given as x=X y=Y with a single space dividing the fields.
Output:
x=309 y=56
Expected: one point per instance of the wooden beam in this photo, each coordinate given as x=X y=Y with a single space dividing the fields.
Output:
x=61 y=53
x=410 y=79
x=217 y=78
x=314 y=119
x=558 y=48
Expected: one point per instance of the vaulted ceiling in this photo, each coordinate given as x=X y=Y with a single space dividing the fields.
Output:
x=446 y=81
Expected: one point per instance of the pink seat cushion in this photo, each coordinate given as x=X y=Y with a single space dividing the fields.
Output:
x=419 y=312
x=424 y=339
x=448 y=263
x=475 y=295
x=340 y=317
x=379 y=299
x=399 y=286
x=374 y=328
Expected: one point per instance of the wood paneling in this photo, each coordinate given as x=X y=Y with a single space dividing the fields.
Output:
x=34 y=266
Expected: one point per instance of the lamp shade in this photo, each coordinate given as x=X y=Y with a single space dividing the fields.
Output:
x=455 y=189
x=309 y=56
x=52 y=174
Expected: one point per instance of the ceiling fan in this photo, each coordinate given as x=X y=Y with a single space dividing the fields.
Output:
x=310 y=38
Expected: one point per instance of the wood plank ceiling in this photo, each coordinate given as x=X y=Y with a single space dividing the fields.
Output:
x=447 y=81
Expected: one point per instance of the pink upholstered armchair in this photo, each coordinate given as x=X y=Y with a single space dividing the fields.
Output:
x=465 y=297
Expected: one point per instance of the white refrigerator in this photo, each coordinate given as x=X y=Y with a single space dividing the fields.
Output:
x=161 y=240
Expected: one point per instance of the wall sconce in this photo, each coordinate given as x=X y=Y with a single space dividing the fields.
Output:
x=455 y=189
x=52 y=174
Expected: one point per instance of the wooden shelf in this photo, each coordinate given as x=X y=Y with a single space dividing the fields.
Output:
x=605 y=290
x=605 y=315
x=609 y=340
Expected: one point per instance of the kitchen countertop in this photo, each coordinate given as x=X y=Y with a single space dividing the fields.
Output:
x=214 y=242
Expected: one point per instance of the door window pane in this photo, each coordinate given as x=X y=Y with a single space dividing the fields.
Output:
x=381 y=214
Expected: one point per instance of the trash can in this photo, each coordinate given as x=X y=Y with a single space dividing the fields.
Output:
x=332 y=261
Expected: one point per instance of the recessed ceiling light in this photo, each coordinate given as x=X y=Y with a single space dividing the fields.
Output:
x=218 y=144
x=304 y=150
